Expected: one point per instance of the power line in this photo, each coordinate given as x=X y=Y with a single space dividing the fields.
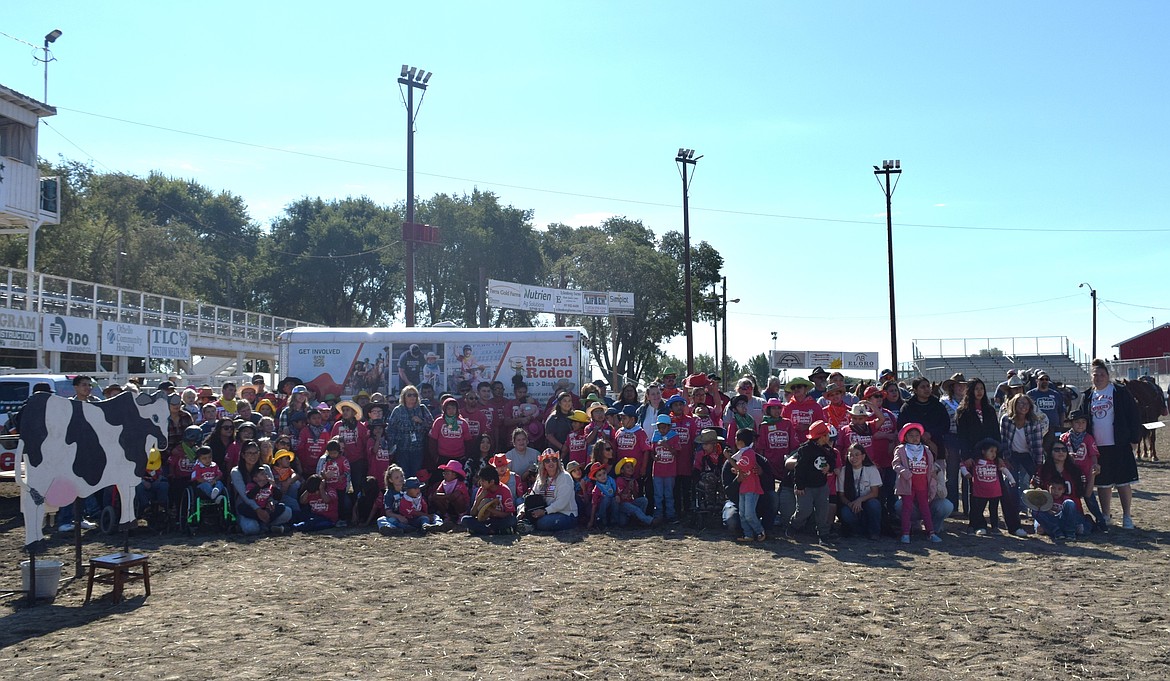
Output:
x=1127 y=321
x=597 y=197
x=1144 y=307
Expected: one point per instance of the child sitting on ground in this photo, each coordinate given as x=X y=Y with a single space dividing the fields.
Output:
x=286 y=479
x=1082 y=449
x=450 y=499
x=413 y=507
x=630 y=502
x=264 y=493
x=605 y=506
x=318 y=506
x=334 y=471
x=368 y=506
x=392 y=522
x=494 y=509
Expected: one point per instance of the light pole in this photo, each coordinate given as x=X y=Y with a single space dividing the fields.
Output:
x=51 y=37
x=412 y=78
x=685 y=158
x=890 y=168
x=1093 y=295
x=721 y=360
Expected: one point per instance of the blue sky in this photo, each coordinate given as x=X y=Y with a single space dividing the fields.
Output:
x=1012 y=121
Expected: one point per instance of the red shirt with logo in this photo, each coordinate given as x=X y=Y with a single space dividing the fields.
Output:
x=450 y=438
x=802 y=415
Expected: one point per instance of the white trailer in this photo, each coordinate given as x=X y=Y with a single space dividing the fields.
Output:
x=343 y=362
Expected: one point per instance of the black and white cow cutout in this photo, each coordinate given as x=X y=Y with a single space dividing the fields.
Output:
x=72 y=449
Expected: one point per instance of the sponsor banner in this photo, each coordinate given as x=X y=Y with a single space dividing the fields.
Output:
x=545 y=367
x=515 y=296
x=569 y=302
x=789 y=359
x=595 y=303
x=69 y=334
x=342 y=369
x=828 y=360
x=19 y=330
x=170 y=344
x=621 y=303
x=128 y=340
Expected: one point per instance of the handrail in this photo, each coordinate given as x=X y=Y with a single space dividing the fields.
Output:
x=78 y=298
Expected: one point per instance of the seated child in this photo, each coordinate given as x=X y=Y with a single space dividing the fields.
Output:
x=494 y=509
x=334 y=471
x=264 y=493
x=450 y=499
x=605 y=506
x=368 y=506
x=630 y=501
x=286 y=479
x=206 y=476
x=584 y=503
x=318 y=506
x=392 y=522
x=413 y=507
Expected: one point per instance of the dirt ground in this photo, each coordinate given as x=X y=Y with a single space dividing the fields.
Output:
x=670 y=603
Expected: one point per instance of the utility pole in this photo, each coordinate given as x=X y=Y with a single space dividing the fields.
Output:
x=1093 y=295
x=890 y=168
x=723 y=364
x=412 y=78
x=686 y=159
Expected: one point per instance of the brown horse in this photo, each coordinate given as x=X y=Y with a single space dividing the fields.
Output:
x=1151 y=407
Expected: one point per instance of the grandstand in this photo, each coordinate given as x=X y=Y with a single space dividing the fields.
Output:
x=991 y=358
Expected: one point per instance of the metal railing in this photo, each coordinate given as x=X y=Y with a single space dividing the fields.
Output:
x=89 y=300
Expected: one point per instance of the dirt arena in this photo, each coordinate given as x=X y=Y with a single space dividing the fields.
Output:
x=668 y=603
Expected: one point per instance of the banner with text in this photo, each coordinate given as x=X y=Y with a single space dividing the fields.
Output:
x=559 y=301
x=18 y=330
x=69 y=334
x=124 y=339
x=828 y=360
x=170 y=344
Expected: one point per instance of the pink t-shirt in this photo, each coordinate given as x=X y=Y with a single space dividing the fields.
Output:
x=450 y=438
x=578 y=447
x=636 y=445
x=802 y=415
x=776 y=441
x=746 y=464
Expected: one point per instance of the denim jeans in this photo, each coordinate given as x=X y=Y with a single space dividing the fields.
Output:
x=607 y=511
x=159 y=493
x=554 y=522
x=206 y=487
x=1068 y=520
x=89 y=509
x=635 y=509
x=393 y=525
x=747 y=514
x=868 y=521
x=785 y=501
x=280 y=516
x=664 y=498
x=313 y=522
x=940 y=510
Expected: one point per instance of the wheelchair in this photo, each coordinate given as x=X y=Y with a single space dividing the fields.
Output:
x=156 y=515
x=196 y=511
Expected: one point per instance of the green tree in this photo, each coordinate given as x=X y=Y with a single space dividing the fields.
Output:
x=759 y=367
x=339 y=263
x=480 y=238
x=624 y=255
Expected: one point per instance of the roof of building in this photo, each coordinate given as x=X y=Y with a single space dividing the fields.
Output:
x=1144 y=333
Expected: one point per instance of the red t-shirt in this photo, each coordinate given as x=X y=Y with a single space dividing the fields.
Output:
x=450 y=439
x=379 y=457
x=502 y=493
x=353 y=440
x=634 y=444
x=310 y=449
x=209 y=473
x=667 y=455
x=687 y=428
x=750 y=480
x=334 y=472
x=576 y=441
x=323 y=503
x=985 y=479
x=776 y=441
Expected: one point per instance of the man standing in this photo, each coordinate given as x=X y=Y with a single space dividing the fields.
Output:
x=1001 y=390
x=1115 y=425
x=819 y=377
x=410 y=365
x=1051 y=403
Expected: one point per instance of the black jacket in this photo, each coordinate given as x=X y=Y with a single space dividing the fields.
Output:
x=970 y=430
x=808 y=455
x=933 y=416
x=1127 y=425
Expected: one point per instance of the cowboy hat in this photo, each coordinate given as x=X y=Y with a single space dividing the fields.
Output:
x=909 y=427
x=818 y=430
x=1039 y=500
x=949 y=384
x=798 y=382
x=708 y=435
x=578 y=416
x=455 y=467
x=352 y=405
x=623 y=462
x=860 y=409
x=500 y=460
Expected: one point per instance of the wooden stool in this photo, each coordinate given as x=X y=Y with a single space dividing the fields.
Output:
x=119 y=565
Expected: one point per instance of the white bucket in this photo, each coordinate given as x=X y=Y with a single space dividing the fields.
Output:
x=48 y=577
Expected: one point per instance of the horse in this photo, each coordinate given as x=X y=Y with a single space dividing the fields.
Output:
x=1151 y=408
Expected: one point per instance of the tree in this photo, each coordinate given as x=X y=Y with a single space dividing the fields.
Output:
x=479 y=238
x=760 y=368
x=624 y=255
x=339 y=263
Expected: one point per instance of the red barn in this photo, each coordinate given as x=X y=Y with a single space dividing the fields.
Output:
x=1152 y=343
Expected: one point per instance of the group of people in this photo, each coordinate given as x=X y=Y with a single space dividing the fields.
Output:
x=809 y=456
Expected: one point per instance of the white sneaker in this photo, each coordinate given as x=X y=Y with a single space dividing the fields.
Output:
x=980 y=533
x=66 y=527
x=905 y=539
x=1021 y=533
x=88 y=525
x=214 y=493
x=1127 y=522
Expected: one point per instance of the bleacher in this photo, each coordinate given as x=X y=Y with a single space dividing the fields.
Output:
x=993 y=367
